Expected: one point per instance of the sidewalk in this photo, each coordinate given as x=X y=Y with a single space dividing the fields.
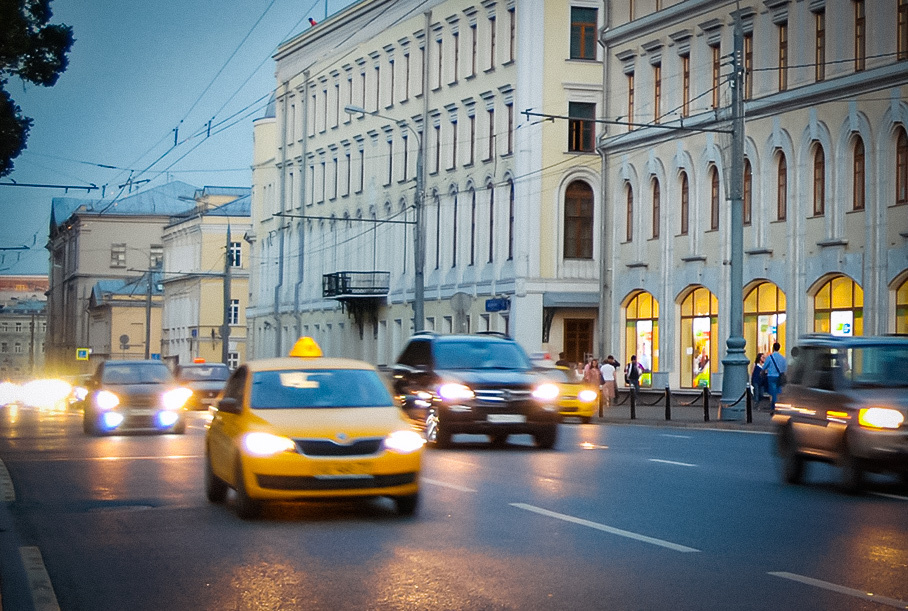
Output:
x=684 y=416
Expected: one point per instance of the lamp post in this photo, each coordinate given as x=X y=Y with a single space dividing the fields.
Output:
x=418 y=234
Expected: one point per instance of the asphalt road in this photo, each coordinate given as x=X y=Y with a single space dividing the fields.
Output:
x=617 y=517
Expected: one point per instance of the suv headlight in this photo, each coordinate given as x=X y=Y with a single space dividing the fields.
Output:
x=106 y=400
x=176 y=398
x=880 y=418
x=546 y=392
x=455 y=392
x=404 y=442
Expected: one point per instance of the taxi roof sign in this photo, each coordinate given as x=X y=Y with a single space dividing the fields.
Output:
x=306 y=347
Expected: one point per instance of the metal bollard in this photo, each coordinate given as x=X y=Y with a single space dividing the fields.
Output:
x=706 y=404
x=600 y=404
x=668 y=403
x=633 y=404
x=749 y=404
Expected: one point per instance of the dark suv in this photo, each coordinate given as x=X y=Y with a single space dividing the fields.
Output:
x=845 y=403
x=482 y=384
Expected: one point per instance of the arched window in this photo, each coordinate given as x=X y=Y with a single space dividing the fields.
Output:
x=630 y=214
x=685 y=203
x=491 y=189
x=782 y=189
x=472 y=226
x=454 y=235
x=713 y=198
x=764 y=318
x=748 y=192
x=642 y=334
x=437 y=231
x=657 y=196
x=901 y=168
x=511 y=204
x=901 y=308
x=578 y=221
x=699 y=337
x=819 y=182
x=838 y=307
x=857 y=200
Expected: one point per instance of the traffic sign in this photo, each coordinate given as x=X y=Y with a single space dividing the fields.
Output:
x=82 y=354
x=498 y=304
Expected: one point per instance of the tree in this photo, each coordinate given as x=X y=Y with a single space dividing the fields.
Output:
x=33 y=51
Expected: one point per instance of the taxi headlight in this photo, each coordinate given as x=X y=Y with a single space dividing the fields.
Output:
x=455 y=392
x=404 y=442
x=546 y=392
x=880 y=418
x=266 y=444
x=106 y=400
x=587 y=396
x=176 y=398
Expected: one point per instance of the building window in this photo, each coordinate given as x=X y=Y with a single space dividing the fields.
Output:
x=901 y=168
x=716 y=73
x=657 y=92
x=454 y=236
x=657 y=203
x=512 y=30
x=859 y=175
x=902 y=42
x=118 y=255
x=685 y=85
x=838 y=307
x=581 y=127
x=511 y=220
x=389 y=175
x=437 y=232
x=748 y=192
x=510 y=109
x=714 y=198
x=783 y=56
x=699 y=337
x=233 y=317
x=901 y=308
x=578 y=221
x=491 y=133
x=490 y=187
x=472 y=227
x=860 y=36
x=820 y=51
x=453 y=144
x=17 y=348
x=748 y=66
x=233 y=360
x=18 y=327
x=492 y=40
x=437 y=156
x=641 y=334
x=471 y=152
x=764 y=318
x=4 y=347
x=630 y=101
x=583 y=32
x=236 y=254
x=474 y=46
x=156 y=256
x=685 y=203
x=629 y=216
x=782 y=190
x=819 y=182
x=456 y=62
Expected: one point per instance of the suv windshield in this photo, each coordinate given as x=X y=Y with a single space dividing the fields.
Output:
x=877 y=366
x=480 y=354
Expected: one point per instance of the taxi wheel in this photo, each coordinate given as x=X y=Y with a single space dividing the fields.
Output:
x=215 y=487
x=407 y=505
x=247 y=508
x=88 y=427
x=792 y=461
x=852 y=471
x=546 y=439
x=585 y=420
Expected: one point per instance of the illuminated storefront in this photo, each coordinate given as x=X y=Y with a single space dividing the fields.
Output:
x=642 y=334
x=901 y=308
x=699 y=337
x=838 y=307
x=764 y=319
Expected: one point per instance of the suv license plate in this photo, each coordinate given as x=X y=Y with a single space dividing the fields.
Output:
x=506 y=418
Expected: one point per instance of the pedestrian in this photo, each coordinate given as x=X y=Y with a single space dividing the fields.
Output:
x=757 y=383
x=591 y=374
x=632 y=375
x=609 y=390
x=775 y=366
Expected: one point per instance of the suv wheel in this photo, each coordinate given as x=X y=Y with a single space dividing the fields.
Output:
x=852 y=471
x=546 y=439
x=435 y=435
x=792 y=461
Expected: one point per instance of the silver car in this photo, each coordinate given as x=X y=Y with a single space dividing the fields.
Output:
x=846 y=403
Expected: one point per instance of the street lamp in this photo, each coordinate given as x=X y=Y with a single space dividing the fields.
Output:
x=418 y=234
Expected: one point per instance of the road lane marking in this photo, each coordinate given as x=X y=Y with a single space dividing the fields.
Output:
x=111 y=458
x=882 y=600
x=43 y=596
x=604 y=528
x=676 y=436
x=7 y=491
x=890 y=496
x=672 y=462
x=435 y=482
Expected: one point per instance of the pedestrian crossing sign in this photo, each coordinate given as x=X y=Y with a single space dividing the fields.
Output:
x=82 y=354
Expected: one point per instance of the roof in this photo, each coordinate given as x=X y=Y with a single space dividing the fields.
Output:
x=104 y=290
x=208 y=191
x=241 y=206
x=24 y=307
x=169 y=199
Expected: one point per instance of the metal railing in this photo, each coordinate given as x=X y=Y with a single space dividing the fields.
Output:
x=702 y=399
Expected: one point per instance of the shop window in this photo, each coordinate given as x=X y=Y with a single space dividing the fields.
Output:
x=699 y=337
x=901 y=308
x=642 y=334
x=838 y=307
x=764 y=319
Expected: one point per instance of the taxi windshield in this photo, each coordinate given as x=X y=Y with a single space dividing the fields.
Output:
x=318 y=388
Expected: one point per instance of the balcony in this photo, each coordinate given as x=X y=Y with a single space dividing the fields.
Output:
x=352 y=285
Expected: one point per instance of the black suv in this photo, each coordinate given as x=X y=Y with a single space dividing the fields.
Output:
x=482 y=384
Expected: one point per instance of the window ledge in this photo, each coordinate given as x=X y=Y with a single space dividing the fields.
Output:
x=693 y=258
x=833 y=242
x=758 y=251
x=635 y=264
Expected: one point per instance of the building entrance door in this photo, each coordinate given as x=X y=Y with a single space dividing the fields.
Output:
x=578 y=339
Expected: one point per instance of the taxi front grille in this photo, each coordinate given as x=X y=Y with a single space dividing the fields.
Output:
x=327 y=447
x=305 y=483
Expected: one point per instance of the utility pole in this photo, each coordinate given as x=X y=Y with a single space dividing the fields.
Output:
x=225 y=325
x=734 y=381
x=148 y=314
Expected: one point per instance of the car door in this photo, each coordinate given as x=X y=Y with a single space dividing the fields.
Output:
x=819 y=427
x=412 y=377
x=226 y=427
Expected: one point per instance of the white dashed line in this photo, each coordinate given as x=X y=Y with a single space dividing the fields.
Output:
x=672 y=462
x=890 y=496
x=42 y=591
x=882 y=600
x=604 y=528
x=676 y=436
x=435 y=482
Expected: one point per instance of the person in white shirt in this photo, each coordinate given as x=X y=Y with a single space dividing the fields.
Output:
x=609 y=389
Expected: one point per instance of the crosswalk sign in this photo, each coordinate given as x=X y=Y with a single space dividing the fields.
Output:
x=82 y=354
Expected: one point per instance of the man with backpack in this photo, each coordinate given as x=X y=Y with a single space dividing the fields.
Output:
x=632 y=375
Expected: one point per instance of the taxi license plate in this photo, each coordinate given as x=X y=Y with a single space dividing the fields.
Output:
x=344 y=469
x=142 y=412
x=506 y=418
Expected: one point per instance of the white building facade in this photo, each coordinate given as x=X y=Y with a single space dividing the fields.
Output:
x=511 y=199
x=825 y=176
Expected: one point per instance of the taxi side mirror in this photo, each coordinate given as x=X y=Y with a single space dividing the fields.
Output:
x=229 y=405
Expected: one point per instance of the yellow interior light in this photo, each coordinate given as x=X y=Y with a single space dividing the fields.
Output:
x=306 y=347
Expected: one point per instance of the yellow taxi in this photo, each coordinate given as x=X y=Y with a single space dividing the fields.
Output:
x=576 y=399
x=307 y=427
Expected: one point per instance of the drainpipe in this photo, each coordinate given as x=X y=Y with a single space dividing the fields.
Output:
x=606 y=328
x=303 y=178
x=283 y=193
